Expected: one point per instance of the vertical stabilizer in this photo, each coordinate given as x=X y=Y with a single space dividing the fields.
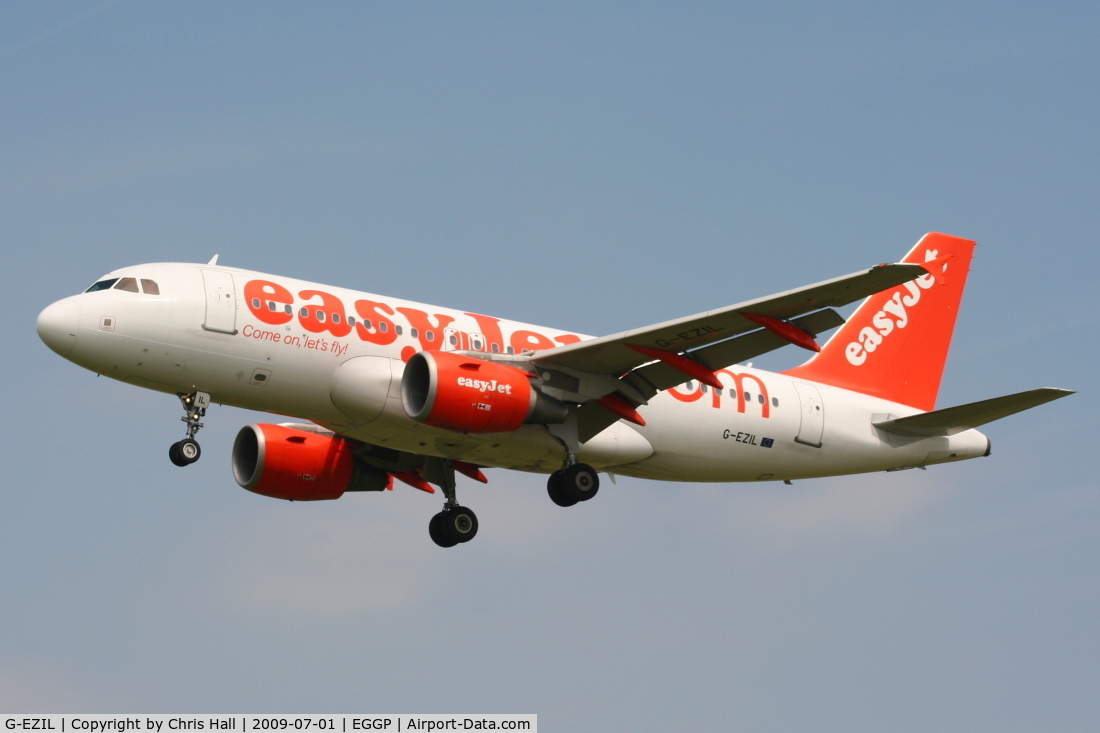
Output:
x=895 y=345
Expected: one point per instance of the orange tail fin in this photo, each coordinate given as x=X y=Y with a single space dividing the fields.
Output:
x=895 y=345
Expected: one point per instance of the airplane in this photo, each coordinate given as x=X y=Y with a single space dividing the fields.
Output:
x=395 y=390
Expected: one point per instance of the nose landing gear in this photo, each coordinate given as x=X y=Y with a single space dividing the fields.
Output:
x=187 y=451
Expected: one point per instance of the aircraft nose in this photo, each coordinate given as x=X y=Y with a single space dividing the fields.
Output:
x=57 y=325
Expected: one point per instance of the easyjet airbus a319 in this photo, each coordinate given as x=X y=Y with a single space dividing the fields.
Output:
x=389 y=389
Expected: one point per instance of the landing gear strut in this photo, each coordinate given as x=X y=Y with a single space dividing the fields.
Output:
x=573 y=483
x=187 y=451
x=455 y=524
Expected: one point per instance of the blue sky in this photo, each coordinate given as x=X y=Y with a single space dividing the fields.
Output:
x=588 y=166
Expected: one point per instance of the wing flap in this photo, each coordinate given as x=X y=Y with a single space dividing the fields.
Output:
x=751 y=345
x=952 y=420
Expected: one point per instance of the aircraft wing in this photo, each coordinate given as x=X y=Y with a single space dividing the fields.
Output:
x=611 y=355
x=704 y=343
x=952 y=420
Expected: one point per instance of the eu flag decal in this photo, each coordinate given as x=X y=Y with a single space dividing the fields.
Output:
x=766 y=442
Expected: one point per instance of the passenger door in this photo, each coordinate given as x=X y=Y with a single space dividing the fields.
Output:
x=221 y=302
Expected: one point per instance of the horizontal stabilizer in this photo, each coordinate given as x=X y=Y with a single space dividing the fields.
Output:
x=951 y=420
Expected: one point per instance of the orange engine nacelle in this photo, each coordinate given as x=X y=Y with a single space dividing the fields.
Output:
x=287 y=463
x=470 y=395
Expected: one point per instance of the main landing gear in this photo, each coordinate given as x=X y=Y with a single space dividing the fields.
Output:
x=187 y=451
x=575 y=482
x=455 y=524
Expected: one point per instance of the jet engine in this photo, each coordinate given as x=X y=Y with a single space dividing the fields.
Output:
x=287 y=463
x=470 y=395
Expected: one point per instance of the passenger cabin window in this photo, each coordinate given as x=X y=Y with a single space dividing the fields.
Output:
x=102 y=285
x=149 y=287
x=128 y=284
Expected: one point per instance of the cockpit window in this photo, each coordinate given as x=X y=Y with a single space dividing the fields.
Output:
x=128 y=284
x=102 y=285
x=150 y=287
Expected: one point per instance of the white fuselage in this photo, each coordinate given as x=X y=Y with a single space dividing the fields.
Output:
x=256 y=341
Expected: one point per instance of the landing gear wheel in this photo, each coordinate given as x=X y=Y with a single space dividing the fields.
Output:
x=459 y=524
x=189 y=450
x=435 y=531
x=185 y=452
x=557 y=494
x=579 y=482
x=452 y=526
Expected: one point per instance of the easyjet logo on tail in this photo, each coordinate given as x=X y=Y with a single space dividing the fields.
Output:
x=894 y=315
x=895 y=345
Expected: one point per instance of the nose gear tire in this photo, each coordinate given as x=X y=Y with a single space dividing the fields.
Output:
x=185 y=452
